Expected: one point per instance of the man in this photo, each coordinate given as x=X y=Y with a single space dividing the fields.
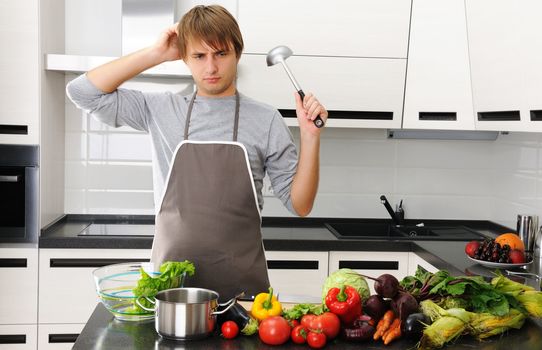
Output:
x=211 y=150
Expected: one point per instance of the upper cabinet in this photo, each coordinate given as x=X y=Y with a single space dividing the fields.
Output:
x=357 y=28
x=19 y=69
x=438 y=88
x=505 y=43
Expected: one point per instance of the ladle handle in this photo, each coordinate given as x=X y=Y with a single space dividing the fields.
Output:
x=318 y=122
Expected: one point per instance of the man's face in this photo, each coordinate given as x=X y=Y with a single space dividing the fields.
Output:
x=214 y=71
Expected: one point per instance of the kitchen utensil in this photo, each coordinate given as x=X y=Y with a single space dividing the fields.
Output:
x=115 y=284
x=527 y=226
x=187 y=313
x=279 y=54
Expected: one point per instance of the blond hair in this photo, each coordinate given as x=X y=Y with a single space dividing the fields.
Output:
x=213 y=25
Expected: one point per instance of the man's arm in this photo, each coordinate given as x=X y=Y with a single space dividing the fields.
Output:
x=108 y=77
x=305 y=182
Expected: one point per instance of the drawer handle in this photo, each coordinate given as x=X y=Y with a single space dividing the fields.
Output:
x=451 y=116
x=353 y=115
x=10 y=178
x=536 y=115
x=499 y=116
x=13 y=129
x=62 y=263
x=13 y=262
x=369 y=265
x=292 y=264
x=63 y=338
x=13 y=339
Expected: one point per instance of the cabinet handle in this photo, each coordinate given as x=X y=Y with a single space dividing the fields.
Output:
x=337 y=114
x=292 y=264
x=13 y=263
x=451 y=116
x=369 y=265
x=10 y=178
x=58 y=262
x=536 y=115
x=13 y=339
x=63 y=338
x=499 y=116
x=13 y=129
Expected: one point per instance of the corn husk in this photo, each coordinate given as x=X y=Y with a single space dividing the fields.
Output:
x=532 y=302
x=505 y=285
x=484 y=325
x=443 y=330
x=429 y=308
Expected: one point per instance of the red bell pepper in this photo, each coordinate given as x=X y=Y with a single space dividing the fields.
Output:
x=345 y=303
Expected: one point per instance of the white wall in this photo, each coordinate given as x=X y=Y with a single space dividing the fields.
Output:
x=109 y=171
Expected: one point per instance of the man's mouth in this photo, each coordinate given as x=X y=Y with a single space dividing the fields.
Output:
x=212 y=80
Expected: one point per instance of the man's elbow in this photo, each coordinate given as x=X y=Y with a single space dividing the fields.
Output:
x=303 y=211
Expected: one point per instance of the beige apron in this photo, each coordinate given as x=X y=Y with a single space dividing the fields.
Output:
x=209 y=215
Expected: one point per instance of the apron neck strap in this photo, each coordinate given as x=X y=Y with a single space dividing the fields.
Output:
x=236 y=118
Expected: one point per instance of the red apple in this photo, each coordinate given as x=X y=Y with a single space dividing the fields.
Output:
x=471 y=248
x=517 y=256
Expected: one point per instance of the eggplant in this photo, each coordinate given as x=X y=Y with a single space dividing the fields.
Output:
x=238 y=314
x=414 y=325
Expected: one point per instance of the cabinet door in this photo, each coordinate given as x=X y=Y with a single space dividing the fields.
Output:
x=19 y=291
x=67 y=290
x=354 y=28
x=18 y=337
x=358 y=92
x=297 y=273
x=496 y=48
x=372 y=264
x=438 y=88
x=532 y=35
x=58 y=336
x=414 y=261
x=19 y=69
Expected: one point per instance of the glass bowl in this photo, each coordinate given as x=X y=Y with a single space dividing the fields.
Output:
x=115 y=284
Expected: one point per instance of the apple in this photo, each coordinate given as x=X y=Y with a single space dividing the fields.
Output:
x=471 y=248
x=517 y=256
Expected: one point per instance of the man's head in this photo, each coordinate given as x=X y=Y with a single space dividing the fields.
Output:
x=210 y=44
x=213 y=25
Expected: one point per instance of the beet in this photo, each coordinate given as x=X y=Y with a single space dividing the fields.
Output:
x=386 y=285
x=375 y=307
x=404 y=304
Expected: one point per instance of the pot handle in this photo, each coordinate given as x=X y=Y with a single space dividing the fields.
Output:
x=144 y=307
x=230 y=303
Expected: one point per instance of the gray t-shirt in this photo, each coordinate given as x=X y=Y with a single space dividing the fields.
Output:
x=262 y=130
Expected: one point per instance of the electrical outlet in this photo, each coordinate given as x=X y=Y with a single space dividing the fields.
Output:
x=267 y=190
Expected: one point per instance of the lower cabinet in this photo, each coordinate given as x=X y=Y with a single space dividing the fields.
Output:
x=67 y=291
x=297 y=273
x=18 y=337
x=414 y=261
x=370 y=263
x=58 y=336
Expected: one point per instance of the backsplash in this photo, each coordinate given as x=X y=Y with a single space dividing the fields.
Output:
x=108 y=171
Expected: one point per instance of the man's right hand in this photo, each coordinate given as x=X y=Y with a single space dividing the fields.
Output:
x=166 y=47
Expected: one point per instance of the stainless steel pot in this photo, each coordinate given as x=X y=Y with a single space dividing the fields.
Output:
x=186 y=313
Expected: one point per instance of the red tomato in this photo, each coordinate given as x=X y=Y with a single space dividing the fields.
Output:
x=274 y=330
x=328 y=323
x=294 y=323
x=299 y=334
x=230 y=329
x=316 y=340
x=307 y=319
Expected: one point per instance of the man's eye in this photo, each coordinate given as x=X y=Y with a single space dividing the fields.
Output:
x=222 y=53
x=197 y=57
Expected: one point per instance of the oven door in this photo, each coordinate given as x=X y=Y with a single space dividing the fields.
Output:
x=19 y=204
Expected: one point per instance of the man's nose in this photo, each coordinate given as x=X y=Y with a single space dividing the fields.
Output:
x=211 y=65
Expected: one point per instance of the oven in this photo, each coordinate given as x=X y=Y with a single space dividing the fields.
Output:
x=19 y=193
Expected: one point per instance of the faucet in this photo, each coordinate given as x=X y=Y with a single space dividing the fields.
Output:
x=397 y=216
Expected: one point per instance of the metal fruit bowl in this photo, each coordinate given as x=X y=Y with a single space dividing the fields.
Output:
x=115 y=284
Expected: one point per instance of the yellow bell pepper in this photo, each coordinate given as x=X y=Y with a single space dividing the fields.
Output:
x=266 y=305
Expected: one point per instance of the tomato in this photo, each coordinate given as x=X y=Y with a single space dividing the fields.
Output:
x=294 y=323
x=328 y=323
x=316 y=340
x=307 y=319
x=229 y=329
x=299 y=334
x=274 y=330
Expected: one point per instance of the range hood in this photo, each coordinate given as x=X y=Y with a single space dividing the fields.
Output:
x=141 y=21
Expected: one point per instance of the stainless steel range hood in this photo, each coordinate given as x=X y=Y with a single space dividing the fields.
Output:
x=141 y=21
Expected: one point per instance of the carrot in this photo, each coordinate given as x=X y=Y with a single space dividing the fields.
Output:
x=383 y=324
x=393 y=332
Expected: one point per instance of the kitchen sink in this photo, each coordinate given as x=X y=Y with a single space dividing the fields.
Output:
x=362 y=230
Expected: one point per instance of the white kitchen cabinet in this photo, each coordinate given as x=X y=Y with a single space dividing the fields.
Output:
x=370 y=263
x=58 y=336
x=497 y=49
x=351 y=28
x=297 y=273
x=414 y=260
x=19 y=69
x=532 y=38
x=438 y=87
x=67 y=290
x=18 y=337
x=19 y=290
x=358 y=92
